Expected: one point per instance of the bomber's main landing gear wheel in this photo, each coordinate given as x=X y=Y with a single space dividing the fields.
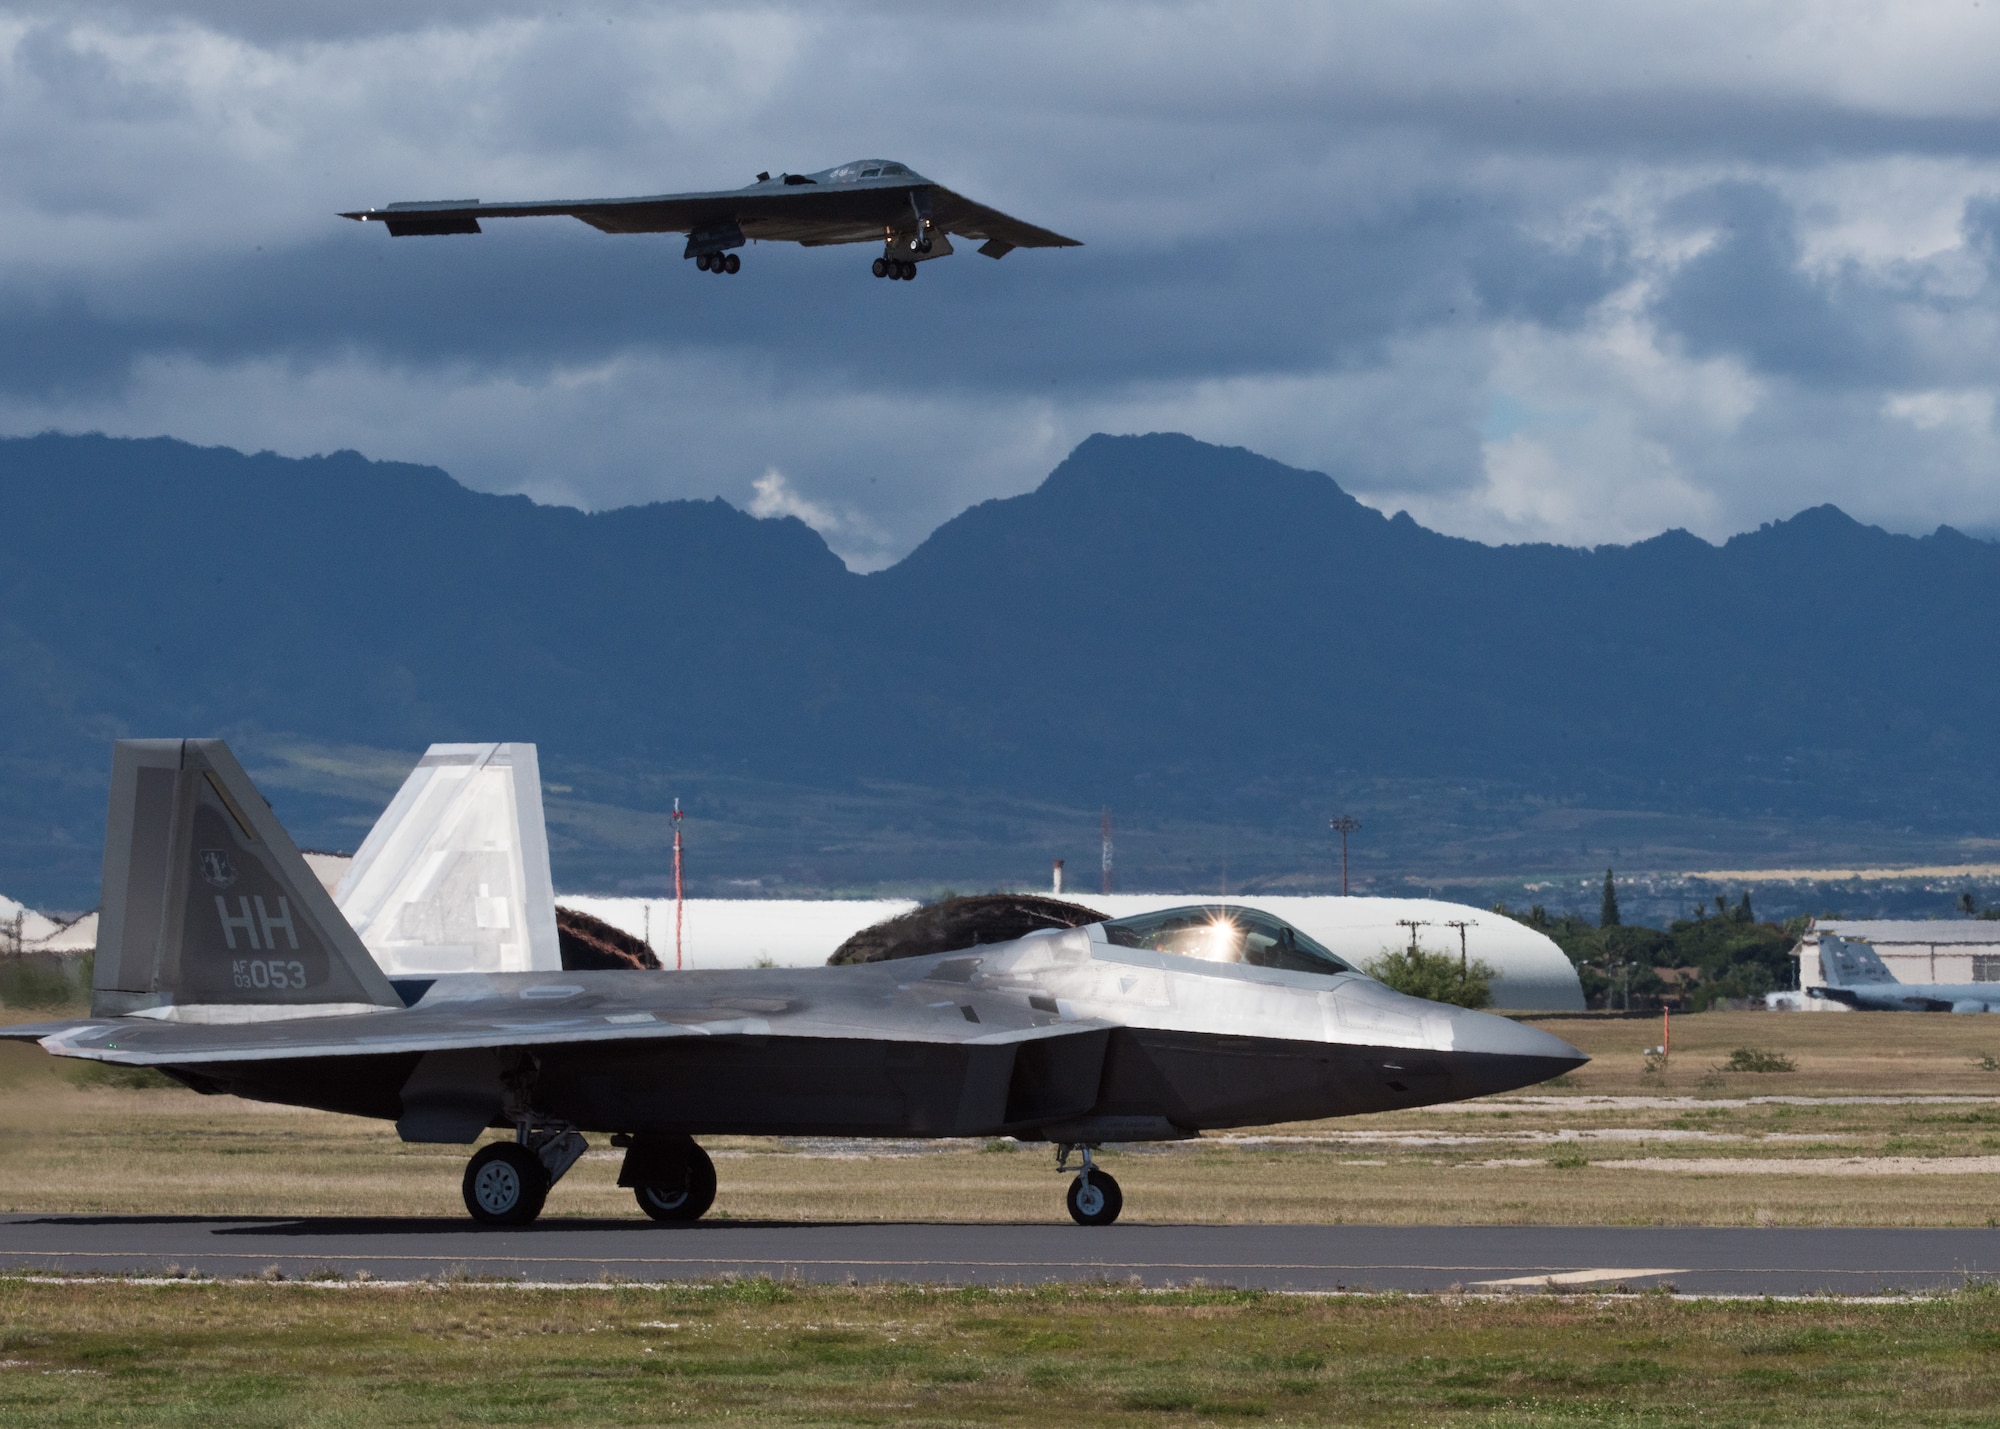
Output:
x=893 y=268
x=671 y=1177
x=1094 y=1198
x=505 y=1185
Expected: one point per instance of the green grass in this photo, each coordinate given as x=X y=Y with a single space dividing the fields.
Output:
x=760 y=1352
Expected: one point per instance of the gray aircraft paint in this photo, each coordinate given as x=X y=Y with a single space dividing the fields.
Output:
x=1856 y=976
x=844 y=204
x=1062 y=1035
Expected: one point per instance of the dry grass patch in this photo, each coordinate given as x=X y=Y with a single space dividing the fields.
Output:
x=761 y=1352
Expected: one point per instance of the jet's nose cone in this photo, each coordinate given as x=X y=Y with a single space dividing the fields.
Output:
x=1500 y=1054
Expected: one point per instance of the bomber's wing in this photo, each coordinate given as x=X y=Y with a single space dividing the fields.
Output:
x=957 y=214
x=771 y=209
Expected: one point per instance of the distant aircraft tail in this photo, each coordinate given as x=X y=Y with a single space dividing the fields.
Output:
x=209 y=913
x=1850 y=962
x=454 y=877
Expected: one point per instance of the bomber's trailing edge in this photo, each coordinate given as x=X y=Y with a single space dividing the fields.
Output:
x=222 y=962
x=867 y=201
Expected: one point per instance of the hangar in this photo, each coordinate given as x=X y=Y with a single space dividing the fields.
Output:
x=1921 y=950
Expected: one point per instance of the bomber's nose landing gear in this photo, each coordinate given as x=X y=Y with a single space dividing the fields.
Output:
x=671 y=1177
x=1094 y=1198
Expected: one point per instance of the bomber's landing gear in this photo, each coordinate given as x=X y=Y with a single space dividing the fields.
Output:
x=507 y=1182
x=894 y=268
x=671 y=1177
x=718 y=262
x=1094 y=1198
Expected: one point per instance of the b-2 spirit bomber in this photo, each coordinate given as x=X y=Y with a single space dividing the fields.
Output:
x=867 y=201
x=223 y=963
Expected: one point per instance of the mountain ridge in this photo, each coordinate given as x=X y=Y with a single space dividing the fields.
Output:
x=1223 y=647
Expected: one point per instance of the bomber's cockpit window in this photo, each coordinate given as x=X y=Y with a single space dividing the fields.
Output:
x=866 y=169
x=1224 y=935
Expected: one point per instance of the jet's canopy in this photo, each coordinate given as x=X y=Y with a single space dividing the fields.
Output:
x=1219 y=934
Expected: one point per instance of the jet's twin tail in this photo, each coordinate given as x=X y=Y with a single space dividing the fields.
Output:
x=210 y=913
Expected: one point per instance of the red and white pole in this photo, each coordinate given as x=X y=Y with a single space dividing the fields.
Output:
x=679 y=893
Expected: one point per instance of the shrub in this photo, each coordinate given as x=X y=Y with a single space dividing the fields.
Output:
x=1436 y=976
x=1757 y=1059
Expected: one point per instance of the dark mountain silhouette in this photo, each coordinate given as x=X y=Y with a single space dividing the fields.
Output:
x=1221 y=647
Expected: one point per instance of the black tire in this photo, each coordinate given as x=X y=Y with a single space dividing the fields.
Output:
x=505 y=1185
x=734 y=263
x=1100 y=1204
x=880 y=267
x=688 y=1201
x=701 y=261
x=909 y=272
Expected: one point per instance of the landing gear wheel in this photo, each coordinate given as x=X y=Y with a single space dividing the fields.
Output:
x=909 y=272
x=1094 y=1198
x=688 y=1201
x=880 y=267
x=505 y=1185
x=702 y=260
x=733 y=263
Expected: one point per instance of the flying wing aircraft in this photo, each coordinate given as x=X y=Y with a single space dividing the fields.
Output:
x=222 y=962
x=866 y=201
x=1856 y=975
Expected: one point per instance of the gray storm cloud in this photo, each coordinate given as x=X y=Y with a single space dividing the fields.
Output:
x=1553 y=272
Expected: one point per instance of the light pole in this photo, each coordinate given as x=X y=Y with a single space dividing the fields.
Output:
x=1344 y=825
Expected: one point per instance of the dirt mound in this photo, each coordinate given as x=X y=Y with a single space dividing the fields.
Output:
x=955 y=923
x=593 y=945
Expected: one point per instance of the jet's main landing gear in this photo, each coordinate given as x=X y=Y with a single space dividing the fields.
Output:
x=505 y=1185
x=718 y=262
x=894 y=268
x=1094 y=1197
x=671 y=1177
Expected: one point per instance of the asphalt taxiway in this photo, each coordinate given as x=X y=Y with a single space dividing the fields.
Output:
x=1691 y=1260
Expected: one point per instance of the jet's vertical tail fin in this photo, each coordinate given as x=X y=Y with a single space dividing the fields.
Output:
x=454 y=877
x=1850 y=962
x=209 y=911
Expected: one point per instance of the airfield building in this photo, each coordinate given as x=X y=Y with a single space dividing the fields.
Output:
x=1928 y=950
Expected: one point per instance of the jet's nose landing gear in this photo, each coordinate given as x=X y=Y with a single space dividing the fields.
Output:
x=1094 y=1197
x=671 y=1177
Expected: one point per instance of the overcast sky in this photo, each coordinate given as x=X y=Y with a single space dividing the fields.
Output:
x=1573 y=272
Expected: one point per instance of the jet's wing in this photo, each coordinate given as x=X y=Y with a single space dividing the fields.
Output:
x=518 y=1021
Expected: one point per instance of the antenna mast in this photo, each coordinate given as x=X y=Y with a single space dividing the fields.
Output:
x=679 y=896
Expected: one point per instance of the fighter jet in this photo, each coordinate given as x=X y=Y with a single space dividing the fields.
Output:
x=862 y=202
x=1856 y=975
x=222 y=962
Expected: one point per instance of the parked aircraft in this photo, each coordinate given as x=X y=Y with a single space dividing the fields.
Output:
x=223 y=962
x=867 y=201
x=1856 y=975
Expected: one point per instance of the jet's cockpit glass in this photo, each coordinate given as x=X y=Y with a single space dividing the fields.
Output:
x=1224 y=935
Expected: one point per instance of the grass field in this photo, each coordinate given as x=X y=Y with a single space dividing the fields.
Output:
x=1613 y=1143
x=763 y=1352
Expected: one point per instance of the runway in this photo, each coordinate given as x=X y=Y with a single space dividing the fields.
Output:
x=1691 y=1260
